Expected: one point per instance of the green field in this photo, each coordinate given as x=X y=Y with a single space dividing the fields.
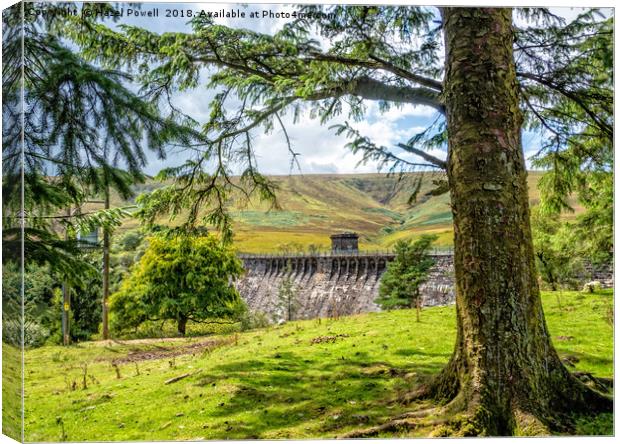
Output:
x=304 y=379
x=316 y=205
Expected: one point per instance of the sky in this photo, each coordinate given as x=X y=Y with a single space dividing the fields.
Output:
x=321 y=151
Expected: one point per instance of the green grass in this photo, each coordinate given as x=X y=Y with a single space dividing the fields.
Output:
x=270 y=218
x=276 y=383
x=11 y=391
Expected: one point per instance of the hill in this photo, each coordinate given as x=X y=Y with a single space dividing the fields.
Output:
x=306 y=379
x=317 y=205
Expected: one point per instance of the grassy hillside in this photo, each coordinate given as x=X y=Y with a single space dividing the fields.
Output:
x=315 y=206
x=305 y=379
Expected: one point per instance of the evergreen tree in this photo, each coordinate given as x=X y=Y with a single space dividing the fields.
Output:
x=71 y=130
x=555 y=244
x=83 y=134
x=39 y=288
x=287 y=303
x=400 y=284
x=572 y=103
x=488 y=80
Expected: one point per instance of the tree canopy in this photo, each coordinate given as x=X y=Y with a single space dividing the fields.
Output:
x=488 y=73
x=183 y=278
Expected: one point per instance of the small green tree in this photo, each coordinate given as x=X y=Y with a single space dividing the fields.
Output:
x=559 y=259
x=287 y=302
x=181 y=278
x=400 y=284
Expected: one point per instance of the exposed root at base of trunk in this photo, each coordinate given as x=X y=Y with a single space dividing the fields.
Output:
x=475 y=422
x=527 y=424
x=420 y=413
x=395 y=425
x=461 y=413
x=443 y=388
x=600 y=384
x=400 y=424
x=445 y=423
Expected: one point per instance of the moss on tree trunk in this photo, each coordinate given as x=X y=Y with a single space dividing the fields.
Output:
x=504 y=376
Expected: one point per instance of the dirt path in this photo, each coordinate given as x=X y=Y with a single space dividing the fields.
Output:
x=162 y=352
x=143 y=341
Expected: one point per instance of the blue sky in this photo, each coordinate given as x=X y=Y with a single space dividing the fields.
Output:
x=321 y=151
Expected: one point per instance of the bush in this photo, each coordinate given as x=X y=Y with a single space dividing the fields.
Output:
x=252 y=320
x=131 y=240
x=38 y=292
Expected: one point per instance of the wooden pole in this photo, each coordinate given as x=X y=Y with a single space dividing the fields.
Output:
x=106 y=270
x=66 y=301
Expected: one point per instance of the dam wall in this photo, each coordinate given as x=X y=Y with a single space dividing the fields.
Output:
x=333 y=284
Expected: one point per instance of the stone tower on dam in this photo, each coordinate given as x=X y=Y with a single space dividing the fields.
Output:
x=342 y=282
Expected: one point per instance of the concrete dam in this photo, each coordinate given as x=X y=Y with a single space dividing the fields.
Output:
x=342 y=282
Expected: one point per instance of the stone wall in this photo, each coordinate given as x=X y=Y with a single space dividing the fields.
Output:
x=603 y=273
x=333 y=285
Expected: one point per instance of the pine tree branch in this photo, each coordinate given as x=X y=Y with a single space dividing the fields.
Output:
x=606 y=128
x=371 y=89
x=378 y=64
x=424 y=155
x=266 y=113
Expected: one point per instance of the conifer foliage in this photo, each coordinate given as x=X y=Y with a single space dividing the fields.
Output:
x=71 y=129
x=400 y=284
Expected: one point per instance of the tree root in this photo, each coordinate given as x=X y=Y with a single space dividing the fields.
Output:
x=527 y=424
x=469 y=411
x=419 y=394
x=400 y=424
x=420 y=413
x=407 y=421
x=445 y=422
x=395 y=425
x=604 y=385
x=464 y=415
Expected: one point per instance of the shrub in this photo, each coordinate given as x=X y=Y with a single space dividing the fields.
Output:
x=252 y=320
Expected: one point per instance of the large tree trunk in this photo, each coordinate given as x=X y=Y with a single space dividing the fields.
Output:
x=504 y=374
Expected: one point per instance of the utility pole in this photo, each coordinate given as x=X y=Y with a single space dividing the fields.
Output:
x=106 y=269
x=66 y=300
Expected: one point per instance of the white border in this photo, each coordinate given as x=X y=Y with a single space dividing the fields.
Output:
x=505 y=3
